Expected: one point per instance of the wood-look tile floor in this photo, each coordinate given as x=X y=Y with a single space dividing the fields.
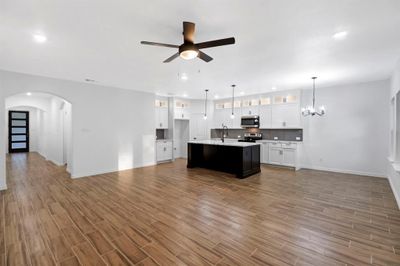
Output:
x=170 y=215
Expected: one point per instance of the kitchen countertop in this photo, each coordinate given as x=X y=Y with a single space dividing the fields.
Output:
x=161 y=140
x=226 y=143
x=277 y=140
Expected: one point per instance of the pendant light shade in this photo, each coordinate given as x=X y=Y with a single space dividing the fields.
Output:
x=233 y=101
x=311 y=110
x=205 y=106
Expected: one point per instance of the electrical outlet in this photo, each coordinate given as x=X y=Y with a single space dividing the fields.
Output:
x=275 y=138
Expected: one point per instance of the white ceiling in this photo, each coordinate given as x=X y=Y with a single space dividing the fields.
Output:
x=279 y=43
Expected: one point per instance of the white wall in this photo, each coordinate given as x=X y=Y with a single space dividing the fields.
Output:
x=353 y=135
x=112 y=129
x=394 y=176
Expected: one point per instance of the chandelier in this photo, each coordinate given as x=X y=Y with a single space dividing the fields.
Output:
x=310 y=110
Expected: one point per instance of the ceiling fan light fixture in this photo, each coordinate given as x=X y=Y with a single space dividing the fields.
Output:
x=189 y=54
x=188 y=51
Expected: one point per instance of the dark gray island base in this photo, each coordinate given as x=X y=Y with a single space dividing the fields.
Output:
x=241 y=158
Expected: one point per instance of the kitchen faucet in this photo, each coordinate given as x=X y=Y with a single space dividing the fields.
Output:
x=223 y=135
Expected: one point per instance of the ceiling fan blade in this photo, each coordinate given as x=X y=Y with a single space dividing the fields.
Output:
x=160 y=44
x=204 y=56
x=188 y=31
x=215 y=43
x=169 y=59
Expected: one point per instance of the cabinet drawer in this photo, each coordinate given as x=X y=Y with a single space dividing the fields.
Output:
x=289 y=145
x=275 y=144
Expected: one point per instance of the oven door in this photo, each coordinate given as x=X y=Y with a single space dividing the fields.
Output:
x=250 y=121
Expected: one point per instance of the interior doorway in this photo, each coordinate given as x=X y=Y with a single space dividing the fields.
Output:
x=18 y=131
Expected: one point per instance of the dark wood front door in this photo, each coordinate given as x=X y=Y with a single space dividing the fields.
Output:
x=18 y=131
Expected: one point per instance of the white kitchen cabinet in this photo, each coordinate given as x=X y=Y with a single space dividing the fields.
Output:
x=250 y=110
x=161 y=117
x=275 y=155
x=219 y=118
x=264 y=152
x=289 y=157
x=283 y=153
x=181 y=109
x=164 y=150
x=161 y=106
x=199 y=129
x=265 y=116
x=285 y=116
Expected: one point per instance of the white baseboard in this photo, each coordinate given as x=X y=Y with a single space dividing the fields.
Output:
x=344 y=171
x=105 y=171
x=395 y=192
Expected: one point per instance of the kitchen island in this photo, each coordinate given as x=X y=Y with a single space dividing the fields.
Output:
x=239 y=158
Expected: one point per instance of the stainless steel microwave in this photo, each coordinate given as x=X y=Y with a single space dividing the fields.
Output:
x=250 y=121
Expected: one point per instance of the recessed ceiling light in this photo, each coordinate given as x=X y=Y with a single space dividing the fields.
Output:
x=273 y=88
x=216 y=96
x=40 y=38
x=242 y=93
x=185 y=95
x=340 y=35
x=184 y=76
x=28 y=94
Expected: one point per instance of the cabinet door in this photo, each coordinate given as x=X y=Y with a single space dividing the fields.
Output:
x=265 y=153
x=198 y=127
x=265 y=116
x=178 y=113
x=168 y=151
x=185 y=113
x=235 y=122
x=160 y=151
x=289 y=157
x=275 y=155
x=285 y=115
x=158 y=122
x=250 y=110
x=218 y=119
x=161 y=117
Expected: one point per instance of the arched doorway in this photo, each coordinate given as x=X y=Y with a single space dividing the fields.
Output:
x=49 y=131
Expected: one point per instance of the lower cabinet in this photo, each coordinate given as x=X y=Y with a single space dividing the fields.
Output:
x=264 y=152
x=164 y=150
x=280 y=153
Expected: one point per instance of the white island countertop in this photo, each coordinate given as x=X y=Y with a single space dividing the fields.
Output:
x=226 y=143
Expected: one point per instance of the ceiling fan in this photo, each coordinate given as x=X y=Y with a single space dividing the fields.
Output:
x=189 y=49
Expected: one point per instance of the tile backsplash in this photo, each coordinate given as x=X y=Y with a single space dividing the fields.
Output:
x=268 y=134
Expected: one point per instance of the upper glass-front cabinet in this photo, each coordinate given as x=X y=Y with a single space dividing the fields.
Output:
x=161 y=103
x=264 y=100
x=290 y=98
x=181 y=104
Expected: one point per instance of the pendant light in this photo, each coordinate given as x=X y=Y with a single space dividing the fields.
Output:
x=233 y=101
x=310 y=110
x=205 y=106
